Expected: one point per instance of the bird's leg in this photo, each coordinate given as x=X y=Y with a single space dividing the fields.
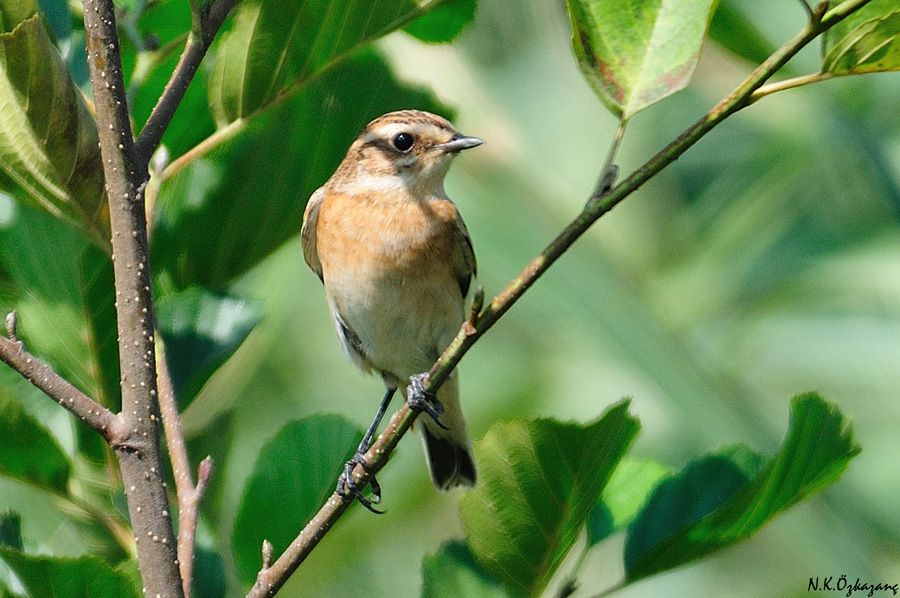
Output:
x=346 y=487
x=420 y=400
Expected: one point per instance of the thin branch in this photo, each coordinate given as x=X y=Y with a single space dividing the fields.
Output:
x=138 y=454
x=209 y=20
x=270 y=579
x=188 y=495
x=102 y=420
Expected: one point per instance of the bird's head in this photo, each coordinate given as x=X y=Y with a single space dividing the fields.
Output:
x=408 y=148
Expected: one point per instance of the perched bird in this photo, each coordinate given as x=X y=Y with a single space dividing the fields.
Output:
x=396 y=261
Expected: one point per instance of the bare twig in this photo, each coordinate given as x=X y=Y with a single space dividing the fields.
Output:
x=795 y=82
x=102 y=420
x=208 y=19
x=138 y=453
x=270 y=579
x=188 y=495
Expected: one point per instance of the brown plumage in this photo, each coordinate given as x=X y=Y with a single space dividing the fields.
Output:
x=396 y=261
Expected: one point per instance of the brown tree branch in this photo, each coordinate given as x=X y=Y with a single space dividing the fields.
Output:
x=188 y=494
x=270 y=578
x=138 y=453
x=206 y=20
x=13 y=353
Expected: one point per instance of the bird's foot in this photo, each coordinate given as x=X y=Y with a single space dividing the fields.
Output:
x=420 y=400
x=349 y=490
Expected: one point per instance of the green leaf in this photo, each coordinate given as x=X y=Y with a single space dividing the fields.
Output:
x=226 y=211
x=48 y=140
x=11 y=530
x=443 y=23
x=65 y=298
x=279 y=44
x=209 y=574
x=625 y=495
x=27 y=451
x=294 y=475
x=539 y=480
x=84 y=577
x=636 y=52
x=734 y=31
x=867 y=41
x=718 y=501
x=452 y=572
x=13 y=12
x=201 y=330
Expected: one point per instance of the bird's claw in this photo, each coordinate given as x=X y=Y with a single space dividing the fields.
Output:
x=420 y=400
x=350 y=491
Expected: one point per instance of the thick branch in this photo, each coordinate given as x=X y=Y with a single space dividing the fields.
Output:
x=139 y=454
x=208 y=24
x=101 y=419
x=272 y=577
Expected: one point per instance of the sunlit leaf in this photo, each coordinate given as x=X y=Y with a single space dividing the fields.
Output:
x=27 y=451
x=276 y=44
x=866 y=41
x=201 y=330
x=294 y=474
x=48 y=140
x=635 y=52
x=443 y=23
x=84 y=577
x=539 y=480
x=721 y=500
x=224 y=212
x=452 y=572
x=13 y=12
x=624 y=496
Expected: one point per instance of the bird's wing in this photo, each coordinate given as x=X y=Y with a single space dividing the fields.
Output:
x=308 y=231
x=464 y=264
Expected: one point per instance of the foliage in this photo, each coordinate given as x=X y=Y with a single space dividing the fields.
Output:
x=245 y=332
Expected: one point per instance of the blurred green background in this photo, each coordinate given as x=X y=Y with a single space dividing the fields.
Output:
x=764 y=263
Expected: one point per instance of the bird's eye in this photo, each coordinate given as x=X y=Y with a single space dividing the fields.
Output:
x=403 y=142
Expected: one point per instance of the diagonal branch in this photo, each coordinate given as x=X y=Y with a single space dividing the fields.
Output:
x=206 y=20
x=272 y=576
x=13 y=353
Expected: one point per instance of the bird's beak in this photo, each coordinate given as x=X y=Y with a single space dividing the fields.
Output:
x=458 y=143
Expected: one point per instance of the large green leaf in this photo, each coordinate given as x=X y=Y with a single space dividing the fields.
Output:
x=84 y=577
x=625 y=495
x=636 y=52
x=867 y=41
x=294 y=474
x=48 y=140
x=539 y=481
x=13 y=12
x=722 y=500
x=443 y=23
x=64 y=297
x=733 y=30
x=280 y=44
x=27 y=451
x=201 y=330
x=453 y=572
x=224 y=212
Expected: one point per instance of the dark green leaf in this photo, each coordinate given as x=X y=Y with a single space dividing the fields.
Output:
x=11 y=530
x=294 y=474
x=625 y=495
x=27 y=451
x=57 y=17
x=84 y=577
x=13 y=12
x=539 y=481
x=209 y=574
x=453 y=572
x=867 y=41
x=716 y=502
x=48 y=140
x=734 y=31
x=201 y=330
x=223 y=213
x=277 y=44
x=633 y=52
x=443 y=23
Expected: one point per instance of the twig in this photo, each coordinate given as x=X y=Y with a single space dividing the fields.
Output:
x=138 y=454
x=209 y=19
x=795 y=82
x=270 y=579
x=102 y=420
x=188 y=495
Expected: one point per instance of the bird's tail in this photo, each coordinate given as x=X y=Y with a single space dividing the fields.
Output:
x=449 y=452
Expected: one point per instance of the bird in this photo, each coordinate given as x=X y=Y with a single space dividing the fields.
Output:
x=396 y=261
